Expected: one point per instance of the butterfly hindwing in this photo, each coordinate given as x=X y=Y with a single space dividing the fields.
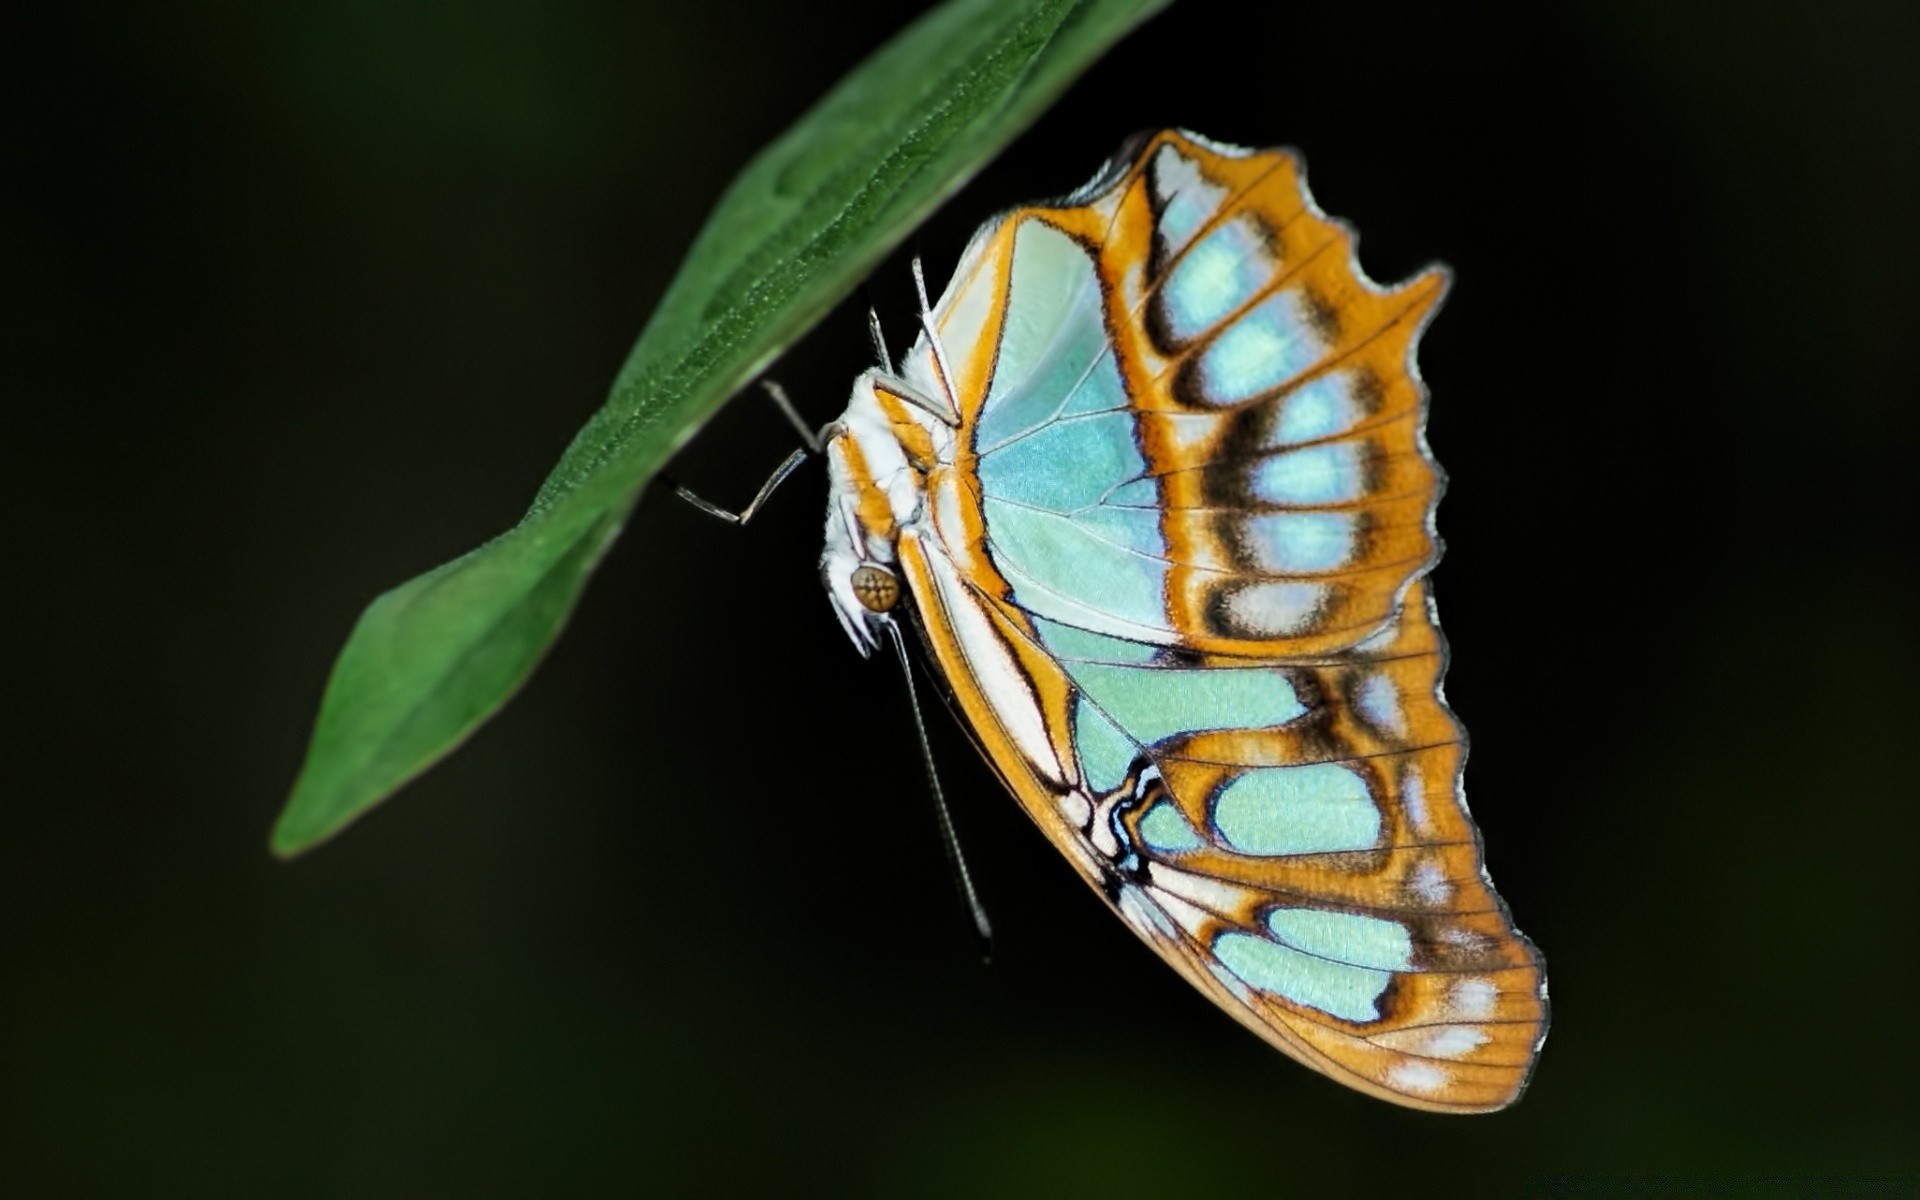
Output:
x=1324 y=875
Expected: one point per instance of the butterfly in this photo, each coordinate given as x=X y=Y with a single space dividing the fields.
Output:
x=1153 y=486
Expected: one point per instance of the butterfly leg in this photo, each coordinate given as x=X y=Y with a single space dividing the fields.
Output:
x=951 y=413
x=879 y=340
x=774 y=480
x=812 y=440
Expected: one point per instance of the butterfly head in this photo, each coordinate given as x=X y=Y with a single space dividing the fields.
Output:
x=862 y=587
x=873 y=489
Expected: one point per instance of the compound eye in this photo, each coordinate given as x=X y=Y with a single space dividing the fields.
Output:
x=876 y=587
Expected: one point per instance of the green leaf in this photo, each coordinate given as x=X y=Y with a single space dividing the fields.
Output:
x=809 y=218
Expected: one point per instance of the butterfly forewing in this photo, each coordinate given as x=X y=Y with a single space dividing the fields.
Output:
x=1173 y=574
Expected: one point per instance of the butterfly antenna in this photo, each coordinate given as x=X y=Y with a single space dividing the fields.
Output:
x=963 y=878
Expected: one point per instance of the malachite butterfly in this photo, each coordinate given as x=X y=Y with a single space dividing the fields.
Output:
x=1156 y=482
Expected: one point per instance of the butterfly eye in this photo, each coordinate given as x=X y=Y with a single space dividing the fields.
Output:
x=876 y=587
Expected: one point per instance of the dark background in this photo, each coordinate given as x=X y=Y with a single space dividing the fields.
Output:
x=302 y=299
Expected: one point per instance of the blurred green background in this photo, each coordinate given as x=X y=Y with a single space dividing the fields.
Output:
x=301 y=299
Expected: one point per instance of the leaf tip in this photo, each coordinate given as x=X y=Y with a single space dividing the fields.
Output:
x=305 y=821
x=291 y=836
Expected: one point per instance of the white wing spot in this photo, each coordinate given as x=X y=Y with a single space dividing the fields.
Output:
x=1453 y=1041
x=1275 y=609
x=1222 y=898
x=1190 y=917
x=1413 y=796
x=1466 y=940
x=1379 y=701
x=1417 y=1077
x=1430 y=883
x=1473 y=997
x=1074 y=807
